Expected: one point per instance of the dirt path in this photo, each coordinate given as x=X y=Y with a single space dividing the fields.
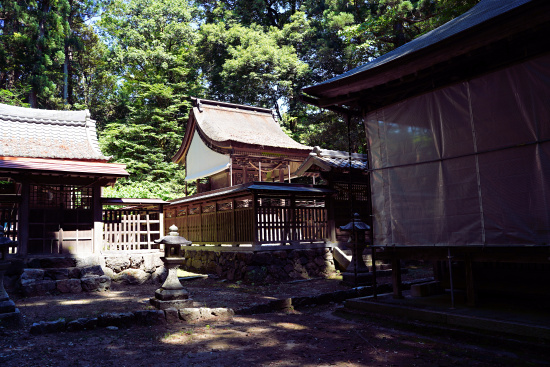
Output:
x=309 y=336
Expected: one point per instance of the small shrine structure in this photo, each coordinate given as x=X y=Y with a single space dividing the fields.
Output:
x=351 y=185
x=51 y=175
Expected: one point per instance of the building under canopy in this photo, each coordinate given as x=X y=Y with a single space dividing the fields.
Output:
x=458 y=127
x=351 y=185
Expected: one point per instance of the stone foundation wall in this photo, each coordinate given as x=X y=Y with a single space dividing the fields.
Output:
x=261 y=267
x=51 y=275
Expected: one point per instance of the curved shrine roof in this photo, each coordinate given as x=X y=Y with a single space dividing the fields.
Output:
x=225 y=124
x=328 y=160
x=35 y=133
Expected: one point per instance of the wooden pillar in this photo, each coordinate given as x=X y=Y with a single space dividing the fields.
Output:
x=97 y=242
x=230 y=171
x=24 y=211
x=256 y=244
x=396 y=277
x=288 y=165
x=331 y=220
x=293 y=221
x=260 y=171
x=245 y=174
x=161 y=224
x=234 y=222
x=373 y=269
x=200 y=223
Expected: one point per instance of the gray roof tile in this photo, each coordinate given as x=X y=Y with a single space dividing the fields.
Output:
x=329 y=159
x=29 y=132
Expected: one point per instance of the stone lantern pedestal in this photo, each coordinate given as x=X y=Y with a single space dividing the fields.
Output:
x=357 y=272
x=172 y=293
x=9 y=314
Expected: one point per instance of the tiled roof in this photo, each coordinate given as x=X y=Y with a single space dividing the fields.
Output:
x=330 y=159
x=224 y=123
x=29 y=132
x=480 y=13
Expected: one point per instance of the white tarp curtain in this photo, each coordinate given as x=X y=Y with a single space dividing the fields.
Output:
x=465 y=165
x=202 y=161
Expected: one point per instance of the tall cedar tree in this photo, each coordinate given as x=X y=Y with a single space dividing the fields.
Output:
x=152 y=55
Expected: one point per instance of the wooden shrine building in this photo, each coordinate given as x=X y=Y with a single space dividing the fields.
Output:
x=227 y=144
x=458 y=127
x=351 y=185
x=51 y=175
x=247 y=163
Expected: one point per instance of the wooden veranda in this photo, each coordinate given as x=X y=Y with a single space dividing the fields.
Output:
x=255 y=213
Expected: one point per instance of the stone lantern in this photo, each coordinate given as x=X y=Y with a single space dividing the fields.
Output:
x=172 y=293
x=357 y=272
x=9 y=315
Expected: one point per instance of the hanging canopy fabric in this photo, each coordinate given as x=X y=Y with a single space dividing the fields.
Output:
x=202 y=161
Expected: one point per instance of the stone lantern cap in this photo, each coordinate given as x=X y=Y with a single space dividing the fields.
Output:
x=173 y=238
x=355 y=224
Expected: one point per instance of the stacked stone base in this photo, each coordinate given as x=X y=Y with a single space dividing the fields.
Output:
x=261 y=266
x=9 y=315
x=114 y=320
x=38 y=282
x=93 y=273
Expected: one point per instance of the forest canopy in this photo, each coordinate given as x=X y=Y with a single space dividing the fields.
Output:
x=135 y=63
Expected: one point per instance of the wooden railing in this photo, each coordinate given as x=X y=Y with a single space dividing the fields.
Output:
x=250 y=219
x=130 y=229
x=214 y=223
x=290 y=225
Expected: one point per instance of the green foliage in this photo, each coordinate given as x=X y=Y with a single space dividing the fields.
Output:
x=392 y=23
x=12 y=98
x=136 y=68
x=249 y=64
x=143 y=189
x=151 y=45
x=41 y=44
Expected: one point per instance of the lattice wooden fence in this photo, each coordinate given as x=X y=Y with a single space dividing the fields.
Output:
x=130 y=229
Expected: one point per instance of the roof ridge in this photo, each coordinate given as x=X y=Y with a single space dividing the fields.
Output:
x=43 y=120
x=199 y=101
